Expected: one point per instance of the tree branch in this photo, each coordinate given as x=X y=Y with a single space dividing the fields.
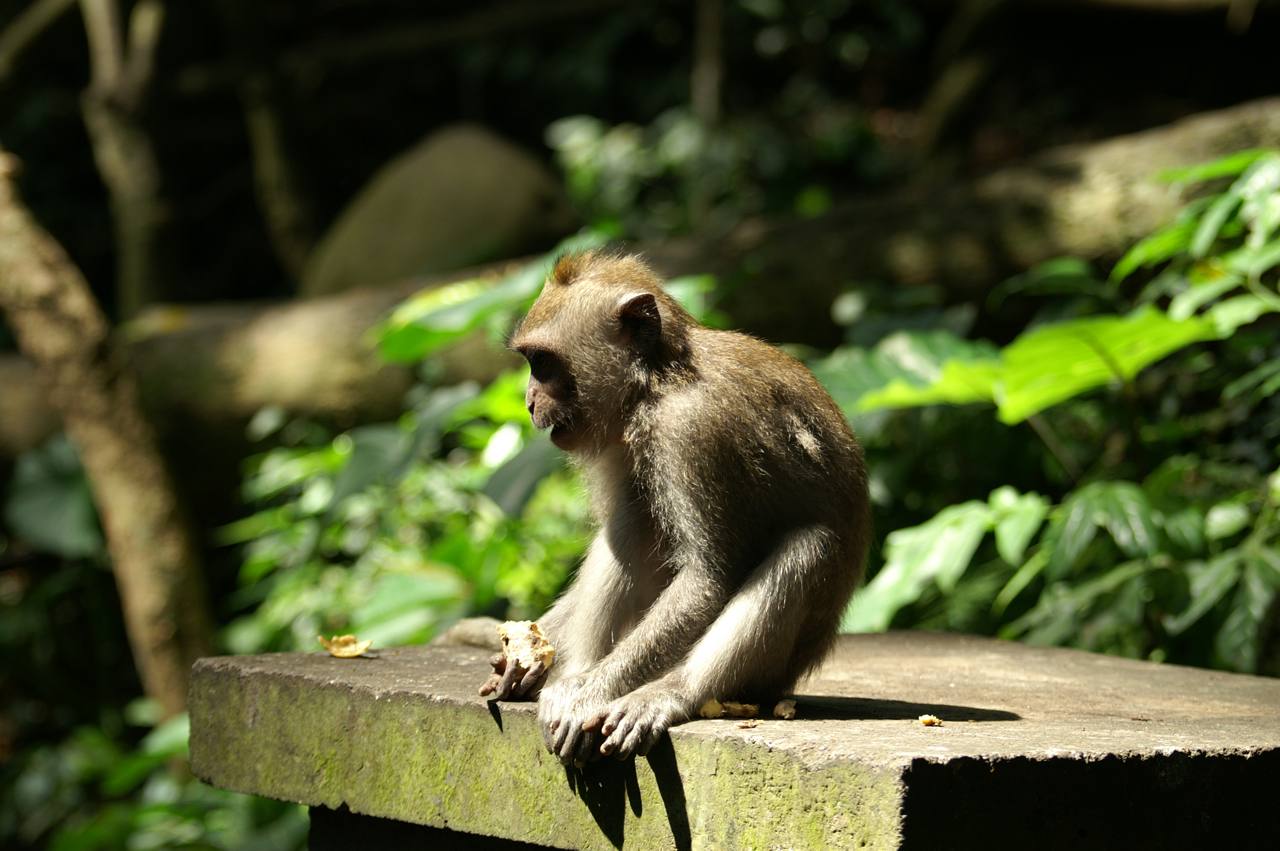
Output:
x=24 y=29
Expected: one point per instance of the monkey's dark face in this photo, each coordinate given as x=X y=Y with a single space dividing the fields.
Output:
x=552 y=397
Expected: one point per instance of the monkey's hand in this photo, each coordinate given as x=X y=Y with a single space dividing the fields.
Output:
x=511 y=680
x=634 y=723
x=565 y=706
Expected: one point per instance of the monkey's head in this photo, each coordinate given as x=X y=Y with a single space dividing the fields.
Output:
x=598 y=336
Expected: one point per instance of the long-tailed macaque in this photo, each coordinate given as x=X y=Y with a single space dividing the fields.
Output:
x=732 y=505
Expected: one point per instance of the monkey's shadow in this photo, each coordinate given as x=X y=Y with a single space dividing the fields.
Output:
x=814 y=707
x=608 y=787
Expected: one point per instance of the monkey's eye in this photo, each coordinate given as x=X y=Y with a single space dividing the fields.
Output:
x=541 y=363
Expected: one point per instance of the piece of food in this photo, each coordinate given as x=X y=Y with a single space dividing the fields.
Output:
x=524 y=644
x=747 y=723
x=345 y=646
x=715 y=709
x=711 y=709
x=931 y=720
x=786 y=710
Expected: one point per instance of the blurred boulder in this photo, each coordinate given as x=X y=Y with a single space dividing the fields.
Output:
x=461 y=197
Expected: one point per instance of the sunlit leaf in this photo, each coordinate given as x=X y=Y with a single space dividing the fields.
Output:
x=1053 y=363
x=1032 y=568
x=960 y=383
x=1070 y=531
x=404 y=606
x=1214 y=218
x=1157 y=248
x=1233 y=313
x=1226 y=519
x=440 y=316
x=907 y=369
x=1060 y=610
x=1020 y=517
x=1189 y=301
x=936 y=551
x=1228 y=166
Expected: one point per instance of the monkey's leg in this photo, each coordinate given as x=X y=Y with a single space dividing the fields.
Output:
x=780 y=622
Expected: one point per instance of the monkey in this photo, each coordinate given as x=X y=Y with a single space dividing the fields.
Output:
x=731 y=501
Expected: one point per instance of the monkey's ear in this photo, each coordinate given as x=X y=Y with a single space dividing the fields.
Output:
x=639 y=317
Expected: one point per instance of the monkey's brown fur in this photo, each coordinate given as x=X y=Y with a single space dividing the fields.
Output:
x=732 y=502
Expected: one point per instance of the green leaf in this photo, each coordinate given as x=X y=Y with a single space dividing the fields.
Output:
x=1053 y=363
x=1214 y=218
x=404 y=606
x=936 y=551
x=50 y=504
x=438 y=317
x=1189 y=301
x=1127 y=514
x=1226 y=519
x=1237 y=641
x=1264 y=259
x=1210 y=581
x=1119 y=507
x=513 y=484
x=1033 y=567
x=1233 y=313
x=1186 y=530
x=378 y=453
x=1060 y=276
x=1020 y=516
x=907 y=369
x=1157 y=248
x=1228 y=166
x=1057 y=615
x=1070 y=532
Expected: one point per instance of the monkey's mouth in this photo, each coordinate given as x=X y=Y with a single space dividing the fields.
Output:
x=562 y=433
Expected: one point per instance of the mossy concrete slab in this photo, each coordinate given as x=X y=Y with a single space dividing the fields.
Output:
x=1045 y=747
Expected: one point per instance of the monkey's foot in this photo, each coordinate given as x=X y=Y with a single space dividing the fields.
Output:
x=633 y=724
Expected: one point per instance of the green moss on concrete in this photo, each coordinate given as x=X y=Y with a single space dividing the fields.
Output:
x=446 y=763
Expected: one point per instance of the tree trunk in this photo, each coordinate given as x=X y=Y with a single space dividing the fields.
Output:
x=84 y=374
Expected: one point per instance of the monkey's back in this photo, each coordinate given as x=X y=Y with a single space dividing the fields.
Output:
x=748 y=438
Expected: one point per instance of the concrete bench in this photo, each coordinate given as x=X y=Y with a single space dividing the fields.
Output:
x=1039 y=748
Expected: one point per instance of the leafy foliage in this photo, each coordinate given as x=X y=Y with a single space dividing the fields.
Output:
x=1140 y=566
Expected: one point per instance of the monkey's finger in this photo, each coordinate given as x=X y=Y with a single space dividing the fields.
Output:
x=561 y=736
x=498 y=661
x=530 y=678
x=594 y=723
x=650 y=738
x=612 y=721
x=585 y=749
x=507 y=683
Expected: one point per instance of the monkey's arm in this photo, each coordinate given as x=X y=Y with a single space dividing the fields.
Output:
x=572 y=710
